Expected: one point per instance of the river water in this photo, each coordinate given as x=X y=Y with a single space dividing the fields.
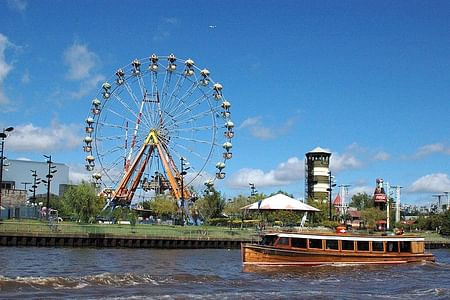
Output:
x=80 y=273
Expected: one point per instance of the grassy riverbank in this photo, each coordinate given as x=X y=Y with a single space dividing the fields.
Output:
x=163 y=231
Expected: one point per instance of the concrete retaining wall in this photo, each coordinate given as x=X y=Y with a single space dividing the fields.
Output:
x=101 y=240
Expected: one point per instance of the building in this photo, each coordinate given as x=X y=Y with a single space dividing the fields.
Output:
x=317 y=174
x=18 y=176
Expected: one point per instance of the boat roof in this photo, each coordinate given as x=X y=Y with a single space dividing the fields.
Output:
x=350 y=237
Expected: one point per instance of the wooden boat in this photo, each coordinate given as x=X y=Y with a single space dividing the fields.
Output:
x=306 y=249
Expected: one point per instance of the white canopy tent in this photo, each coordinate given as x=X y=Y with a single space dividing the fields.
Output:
x=282 y=202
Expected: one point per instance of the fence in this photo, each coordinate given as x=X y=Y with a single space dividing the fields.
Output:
x=20 y=212
x=160 y=231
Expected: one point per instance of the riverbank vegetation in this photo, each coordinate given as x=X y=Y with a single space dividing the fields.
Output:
x=83 y=206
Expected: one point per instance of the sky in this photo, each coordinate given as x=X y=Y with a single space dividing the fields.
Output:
x=367 y=80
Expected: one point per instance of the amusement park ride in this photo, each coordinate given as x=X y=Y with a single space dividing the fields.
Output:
x=171 y=111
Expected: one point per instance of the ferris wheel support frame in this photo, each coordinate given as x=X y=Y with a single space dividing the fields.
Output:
x=122 y=193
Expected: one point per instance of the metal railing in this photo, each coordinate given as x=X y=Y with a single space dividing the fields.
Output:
x=160 y=231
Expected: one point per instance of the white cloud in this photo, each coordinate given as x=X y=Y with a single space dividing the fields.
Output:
x=23 y=158
x=431 y=149
x=171 y=20
x=360 y=189
x=287 y=172
x=340 y=162
x=80 y=60
x=26 y=77
x=88 y=86
x=163 y=30
x=17 y=5
x=3 y=98
x=383 y=156
x=78 y=174
x=261 y=130
x=432 y=183
x=5 y=68
x=28 y=137
x=82 y=63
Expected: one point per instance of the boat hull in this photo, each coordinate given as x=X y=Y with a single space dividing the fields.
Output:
x=270 y=256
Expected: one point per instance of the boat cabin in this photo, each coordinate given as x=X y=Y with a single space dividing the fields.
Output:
x=346 y=243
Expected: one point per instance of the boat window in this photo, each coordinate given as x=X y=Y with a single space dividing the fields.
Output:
x=348 y=245
x=405 y=246
x=332 y=244
x=283 y=241
x=377 y=246
x=299 y=243
x=392 y=246
x=362 y=245
x=268 y=240
x=316 y=244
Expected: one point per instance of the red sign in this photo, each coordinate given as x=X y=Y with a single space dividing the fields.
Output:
x=380 y=197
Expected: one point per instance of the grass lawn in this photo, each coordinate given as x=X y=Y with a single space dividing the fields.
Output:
x=166 y=231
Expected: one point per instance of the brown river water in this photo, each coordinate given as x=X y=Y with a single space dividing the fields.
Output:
x=80 y=273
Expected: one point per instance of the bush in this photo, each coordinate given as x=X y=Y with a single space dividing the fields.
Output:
x=219 y=221
x=329 y=224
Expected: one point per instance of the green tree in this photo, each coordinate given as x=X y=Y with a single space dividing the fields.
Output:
x=287 y=217
x=211 y=205
x=117 y=214
x=132 y=217
x=233 y=207
x=163 y=207
x=371 y=215
x=445 y=223
x=282 y=192
x=323 y=214
x=82 y=202
x=361 y=201
x=147 y=204
x=423 y=223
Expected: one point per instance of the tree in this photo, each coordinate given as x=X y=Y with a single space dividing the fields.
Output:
x=324 y=207
x=287 y=217
x=282 y=192
x=371 y=215
x=211 y=205
x=445 y=223
x=361 y=201
x=233 y=207
x=164 y=207
x=82 y=202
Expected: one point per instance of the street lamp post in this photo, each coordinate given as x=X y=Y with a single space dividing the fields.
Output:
x=36 y=181
x=253 y=190
x=51 y=171
x=25 y=185
x=3 y=136
x=182 y=174
x=330 y=189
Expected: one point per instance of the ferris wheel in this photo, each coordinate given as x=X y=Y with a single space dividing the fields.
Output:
x=160 y=125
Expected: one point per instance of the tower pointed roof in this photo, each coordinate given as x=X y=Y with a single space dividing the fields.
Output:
x=319 y=150
x=337 y=201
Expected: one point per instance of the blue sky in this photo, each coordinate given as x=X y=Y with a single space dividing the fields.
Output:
x=367 y=80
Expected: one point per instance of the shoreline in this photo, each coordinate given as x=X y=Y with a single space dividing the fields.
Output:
x=99 y=240
x=45 y=234
x=116 y=241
